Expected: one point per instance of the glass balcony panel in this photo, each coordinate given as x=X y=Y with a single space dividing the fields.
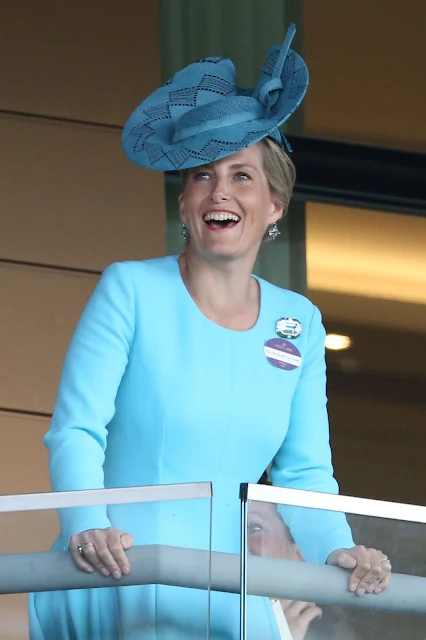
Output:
x=165 y=595
x=309 y=600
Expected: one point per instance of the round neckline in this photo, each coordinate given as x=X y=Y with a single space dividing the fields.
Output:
x=212 y=322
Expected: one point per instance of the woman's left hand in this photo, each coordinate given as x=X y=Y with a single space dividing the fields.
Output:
x=371 y=568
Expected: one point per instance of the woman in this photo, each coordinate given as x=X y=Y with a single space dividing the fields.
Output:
x=269 y=536
x=195 y=369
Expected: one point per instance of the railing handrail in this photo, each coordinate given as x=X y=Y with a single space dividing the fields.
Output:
x=98 y=497
x=333 y=502
x=192 y=568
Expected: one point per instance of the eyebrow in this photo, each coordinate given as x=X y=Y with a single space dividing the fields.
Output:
x=233 y=166
x=242 y=166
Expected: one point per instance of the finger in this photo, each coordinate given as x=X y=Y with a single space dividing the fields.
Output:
x=78 y=558
x=383 y=584
x=116 y=553
x=310 y=614
x=373 y=585
x=107 y=546
x=383 y=580
x=363 y=566
x=127 y=540
x=97 y=553
x=92 y=552
x=297 y=607
x=372 y=569
x=346 y=560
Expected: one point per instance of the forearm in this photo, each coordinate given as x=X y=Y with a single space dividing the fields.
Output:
x=76 y=464
x=317 y=532
x=93 y=369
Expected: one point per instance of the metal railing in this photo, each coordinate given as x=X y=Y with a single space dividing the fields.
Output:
x=204 y=569
x=183 y=567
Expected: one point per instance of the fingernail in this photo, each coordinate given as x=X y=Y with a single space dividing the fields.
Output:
x=352 y=586
x=90 y=569
x=126 y=570
x=378 y=591
x=105 y=572
x=370 y=589
x=361 y=592
x=117 y=575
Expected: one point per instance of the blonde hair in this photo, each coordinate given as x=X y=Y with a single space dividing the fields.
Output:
x=279 y=170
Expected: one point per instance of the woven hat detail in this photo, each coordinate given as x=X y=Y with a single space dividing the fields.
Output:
x=200 y=115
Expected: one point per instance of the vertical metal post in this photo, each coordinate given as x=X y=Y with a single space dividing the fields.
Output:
x=243 y=563
x=209 y=620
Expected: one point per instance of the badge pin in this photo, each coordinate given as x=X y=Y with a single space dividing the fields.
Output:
x=289 y=328
x=282 y=354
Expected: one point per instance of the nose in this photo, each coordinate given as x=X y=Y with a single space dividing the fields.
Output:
x=220 y=191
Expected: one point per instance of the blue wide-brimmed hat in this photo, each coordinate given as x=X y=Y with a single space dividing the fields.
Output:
x=200 y=115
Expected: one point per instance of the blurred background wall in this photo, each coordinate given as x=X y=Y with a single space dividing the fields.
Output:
x=367 y=269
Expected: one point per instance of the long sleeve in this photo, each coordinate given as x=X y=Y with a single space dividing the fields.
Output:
x=94 y=366
x=304 y=459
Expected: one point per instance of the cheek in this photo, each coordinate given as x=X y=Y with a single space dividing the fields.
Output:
x=259 y=206
x=263 y=544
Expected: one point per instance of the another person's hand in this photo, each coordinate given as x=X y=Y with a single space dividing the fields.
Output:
x=103 y=550
x=299 y=616
x=371 y=568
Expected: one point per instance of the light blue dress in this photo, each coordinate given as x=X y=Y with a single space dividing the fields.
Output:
x=153 y=392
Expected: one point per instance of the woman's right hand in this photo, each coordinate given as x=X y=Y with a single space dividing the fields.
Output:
x=103 y=550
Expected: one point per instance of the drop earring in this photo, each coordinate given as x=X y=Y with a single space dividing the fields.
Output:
x=185 y=233
x=273 y=231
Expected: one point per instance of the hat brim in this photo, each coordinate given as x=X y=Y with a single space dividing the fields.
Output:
x=148 y=141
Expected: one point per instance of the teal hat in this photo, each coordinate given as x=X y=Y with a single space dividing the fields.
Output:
x=200 y=115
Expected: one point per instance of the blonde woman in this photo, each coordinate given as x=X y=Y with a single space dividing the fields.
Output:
x=188 y=368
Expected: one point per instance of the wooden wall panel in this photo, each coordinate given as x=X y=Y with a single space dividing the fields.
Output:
x=70 y=197
x=23 y=469
x=38 y=313
x=367 y=69
x=13 y=616
x=23 y=457
x=82 y=60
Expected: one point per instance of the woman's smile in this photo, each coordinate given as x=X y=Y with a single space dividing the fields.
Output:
x=221 y=219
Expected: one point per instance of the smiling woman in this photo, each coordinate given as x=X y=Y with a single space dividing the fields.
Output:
x=279 y=170
x=125 y=416
x=226 y=207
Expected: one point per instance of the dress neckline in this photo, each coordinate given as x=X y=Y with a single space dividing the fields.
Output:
x=212 y=323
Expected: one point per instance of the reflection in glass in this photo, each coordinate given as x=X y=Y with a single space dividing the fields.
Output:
x=166 y=594
x=304 y=609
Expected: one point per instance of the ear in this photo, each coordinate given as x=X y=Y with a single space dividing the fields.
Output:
x=277 y=211
x=181 y=209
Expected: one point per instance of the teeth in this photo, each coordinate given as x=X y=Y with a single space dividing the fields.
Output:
x=221 y=216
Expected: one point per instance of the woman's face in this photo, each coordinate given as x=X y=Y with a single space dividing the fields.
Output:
x=267 y=534
x=227 y=206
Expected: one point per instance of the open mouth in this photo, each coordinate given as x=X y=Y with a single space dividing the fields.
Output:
x=221 y=220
